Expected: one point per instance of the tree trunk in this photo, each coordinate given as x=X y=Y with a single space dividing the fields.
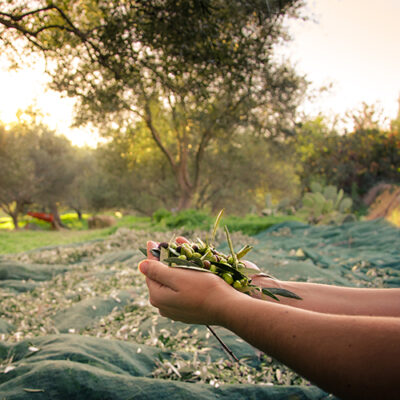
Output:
x=79 y=214
x=14 y=217
x=186 y=189
x=185 y=200
x=56 y=224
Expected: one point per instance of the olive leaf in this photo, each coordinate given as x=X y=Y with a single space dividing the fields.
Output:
x=267 y=292
x=193 y=268
x=230 y=244
x=227 y=268
x=216 y=223
x=283 y=293
x=164 y=254
x=248 y=271
x=243 y=251
x=154 y=252
x=180 y=261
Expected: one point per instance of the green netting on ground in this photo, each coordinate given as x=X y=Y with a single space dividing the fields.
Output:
x=6 y=327
x=84 y=314
x=353 y=254
x=70 y=366
x=37 y=272
x=120 y=348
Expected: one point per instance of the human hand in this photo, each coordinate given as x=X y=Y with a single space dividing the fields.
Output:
x=184 y=295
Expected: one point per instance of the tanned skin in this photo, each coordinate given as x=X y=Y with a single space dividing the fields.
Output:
x=345 y=340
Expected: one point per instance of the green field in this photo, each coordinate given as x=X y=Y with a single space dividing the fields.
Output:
x=24 y=240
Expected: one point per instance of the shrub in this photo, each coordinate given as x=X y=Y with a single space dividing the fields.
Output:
x=161 y=214
x=326 y=205
x=190 y=219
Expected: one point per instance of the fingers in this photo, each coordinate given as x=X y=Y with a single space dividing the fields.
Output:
x=181 y=239
x=159 y=295
x=151 y=245
x=158 y=272
x=250 y=265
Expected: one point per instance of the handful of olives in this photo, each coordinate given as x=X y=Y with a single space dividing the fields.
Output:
x=203 y=256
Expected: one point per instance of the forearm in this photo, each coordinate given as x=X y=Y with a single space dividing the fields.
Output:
x=353 y=357
x=339 y=300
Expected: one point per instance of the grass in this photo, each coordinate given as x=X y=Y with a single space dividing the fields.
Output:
x=25 y=240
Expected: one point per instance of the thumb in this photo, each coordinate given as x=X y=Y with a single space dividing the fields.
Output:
x=158 y=272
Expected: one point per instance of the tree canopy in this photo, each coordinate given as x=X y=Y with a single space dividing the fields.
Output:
x=187 y=72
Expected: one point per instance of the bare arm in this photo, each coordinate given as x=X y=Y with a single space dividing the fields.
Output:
x=351 y=356
x=337 y=299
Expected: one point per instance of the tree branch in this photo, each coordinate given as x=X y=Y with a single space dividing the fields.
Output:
x=156 y=136
x=205 y=139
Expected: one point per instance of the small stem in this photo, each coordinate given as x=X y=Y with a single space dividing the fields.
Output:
x=224 y=346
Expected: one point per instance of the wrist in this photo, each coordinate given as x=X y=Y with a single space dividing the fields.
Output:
x=230 y=308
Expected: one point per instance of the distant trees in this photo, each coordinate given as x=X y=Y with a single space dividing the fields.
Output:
x=17 y=173
x=354 y=161
x=36 y=169
x=53 y=160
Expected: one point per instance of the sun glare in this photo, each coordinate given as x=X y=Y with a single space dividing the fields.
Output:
x=27 y=87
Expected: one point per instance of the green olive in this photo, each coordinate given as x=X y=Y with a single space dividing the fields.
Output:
x=237 y=285
x=182 y=257
x=244 y=282
x=196 y=255
x=187 y=252
x=213 y=268
x=228 y=278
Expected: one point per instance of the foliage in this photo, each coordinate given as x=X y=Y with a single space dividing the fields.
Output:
x=326 y=205
x=161 y=214
x=190 y=219
x=193 y=219
x=183 y=73
x=282 y=207
x=355 y=161
x=55 y=170
x=240 y=171
x=38 y=167
x=253 y=224
x=17 y=177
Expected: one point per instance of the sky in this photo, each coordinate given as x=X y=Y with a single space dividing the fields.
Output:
x=351 y=46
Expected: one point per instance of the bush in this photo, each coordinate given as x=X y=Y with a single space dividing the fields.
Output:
x=253 y=224
x=195 y=219
x=355 y=162
x=190 y=219
x=326 y=205
x=161 y=214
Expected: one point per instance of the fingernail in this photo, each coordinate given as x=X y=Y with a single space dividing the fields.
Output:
x=143 y=266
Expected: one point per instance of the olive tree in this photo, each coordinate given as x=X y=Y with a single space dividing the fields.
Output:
x=17 y=176
x=53 y=159
x=206 y=67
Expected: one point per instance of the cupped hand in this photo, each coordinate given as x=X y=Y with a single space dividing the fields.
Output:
x=184 y=295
